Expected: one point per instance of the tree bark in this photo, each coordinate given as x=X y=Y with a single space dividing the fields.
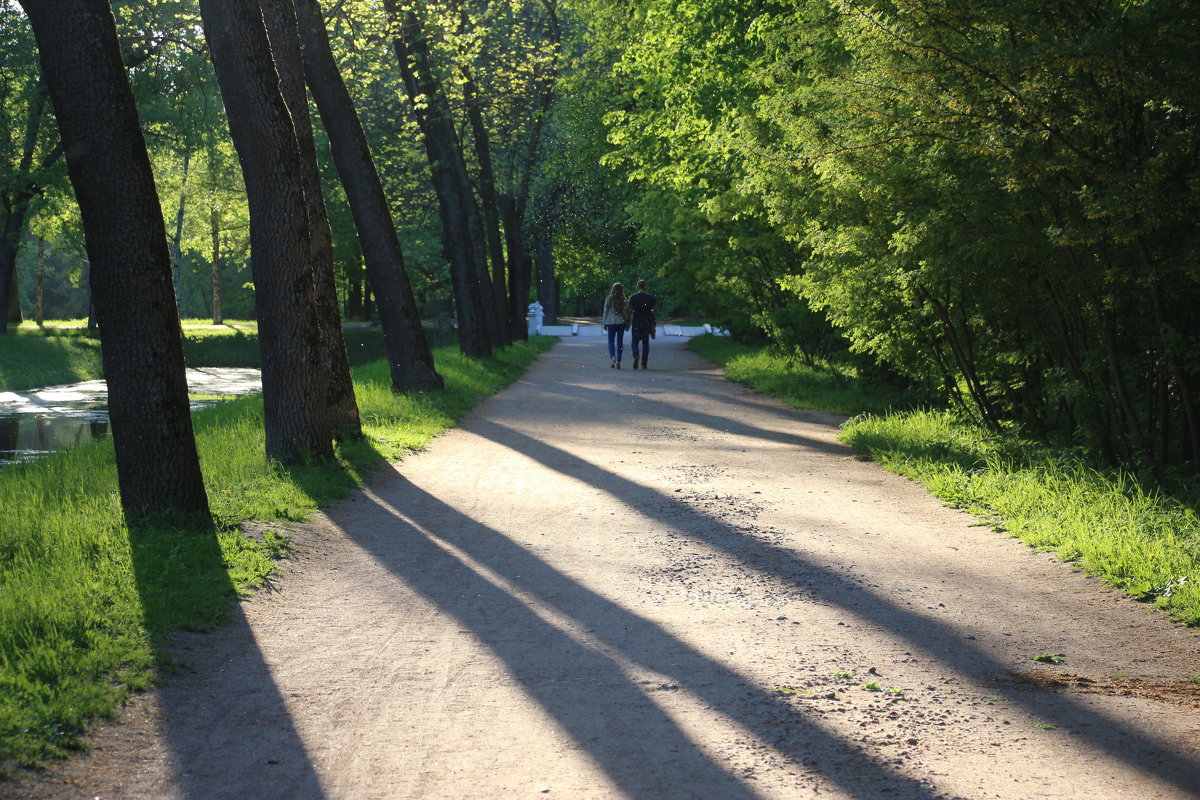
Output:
x=490 y=208
x=547 y=284
x=409 y=356
x=449 y=173
x=284 y=34
x=296 y=414
x=215 y=220
x=39 y=290
x=141 y=341
x=177 y=236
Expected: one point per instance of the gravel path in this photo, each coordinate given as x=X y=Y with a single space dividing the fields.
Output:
x=620 y=584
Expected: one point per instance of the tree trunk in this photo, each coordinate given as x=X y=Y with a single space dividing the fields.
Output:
x=177 y=236
x=409 y=356
x=218 y=312
x=519 y=270
x=449 y=173
x=294 y=386
x=547 y=286
x=280 y=17
x=39 y=291
x=490 y=206
x=16 y=210
x=141 y=340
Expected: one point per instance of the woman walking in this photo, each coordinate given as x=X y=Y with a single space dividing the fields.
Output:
x=616 y=319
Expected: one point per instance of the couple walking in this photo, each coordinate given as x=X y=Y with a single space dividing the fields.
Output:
x=635 y=315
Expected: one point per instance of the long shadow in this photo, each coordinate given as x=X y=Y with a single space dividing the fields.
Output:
x=216 y=752
x=938 y=640
x=643 y=394
x=642 y=750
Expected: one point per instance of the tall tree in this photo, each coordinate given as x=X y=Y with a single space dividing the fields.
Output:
x=409 y=356
x=280 y=16
x=294 y=385
x=461 y=228
x=141 y=342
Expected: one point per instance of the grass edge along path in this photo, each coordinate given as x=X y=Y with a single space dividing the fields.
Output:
x=1109 y=524
x=85 y=605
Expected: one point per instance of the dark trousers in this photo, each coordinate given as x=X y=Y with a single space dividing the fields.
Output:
x=640 y=335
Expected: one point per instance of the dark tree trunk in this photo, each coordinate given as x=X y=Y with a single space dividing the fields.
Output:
x=177 y=236
x=409 y=356
x=218 y=312
x=280 y=16
x=519 y=268
x=547 y=286
x=16 y=211
x=39 y=290
x=456 y=205
x=490 y=208
x=294 y=387
x=141 y=341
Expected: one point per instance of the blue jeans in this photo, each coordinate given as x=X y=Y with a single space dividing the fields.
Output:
x=616 y=342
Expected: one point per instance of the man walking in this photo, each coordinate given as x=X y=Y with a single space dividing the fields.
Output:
x=641 y=306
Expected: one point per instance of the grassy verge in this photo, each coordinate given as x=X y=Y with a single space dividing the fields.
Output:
x=1130 y=535
x=85 y=600
x=825 y=386
x=29 y=359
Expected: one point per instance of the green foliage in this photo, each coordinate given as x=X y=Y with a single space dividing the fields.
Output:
x=996 y=201
x=86 y=599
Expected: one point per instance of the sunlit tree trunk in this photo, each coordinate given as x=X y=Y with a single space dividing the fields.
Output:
x=141 y=342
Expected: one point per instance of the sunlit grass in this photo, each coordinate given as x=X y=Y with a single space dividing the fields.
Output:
x=1131 y=536
x=824 y=386
x=1128 y=533
x=83 y=603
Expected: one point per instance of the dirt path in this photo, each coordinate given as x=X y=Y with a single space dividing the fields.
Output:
x=659 y=585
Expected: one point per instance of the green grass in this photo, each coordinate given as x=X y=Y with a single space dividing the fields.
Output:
x=1132 y=536
x=85 y=602
x=825 y=386
x=31 y=359
x=1129 y=534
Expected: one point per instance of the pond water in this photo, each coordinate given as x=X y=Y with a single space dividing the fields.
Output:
x=40 y=421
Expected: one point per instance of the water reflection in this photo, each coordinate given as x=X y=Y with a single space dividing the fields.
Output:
x=26 y=436
x=41 y=421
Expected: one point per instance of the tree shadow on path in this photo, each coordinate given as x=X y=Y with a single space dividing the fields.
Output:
x=937 y=640
x=217 y=749
x=577 y=671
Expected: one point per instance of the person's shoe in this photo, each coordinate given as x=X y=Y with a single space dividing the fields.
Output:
x=618 y=365
x=643 y=365
x=613 y=364
x=635 y=365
